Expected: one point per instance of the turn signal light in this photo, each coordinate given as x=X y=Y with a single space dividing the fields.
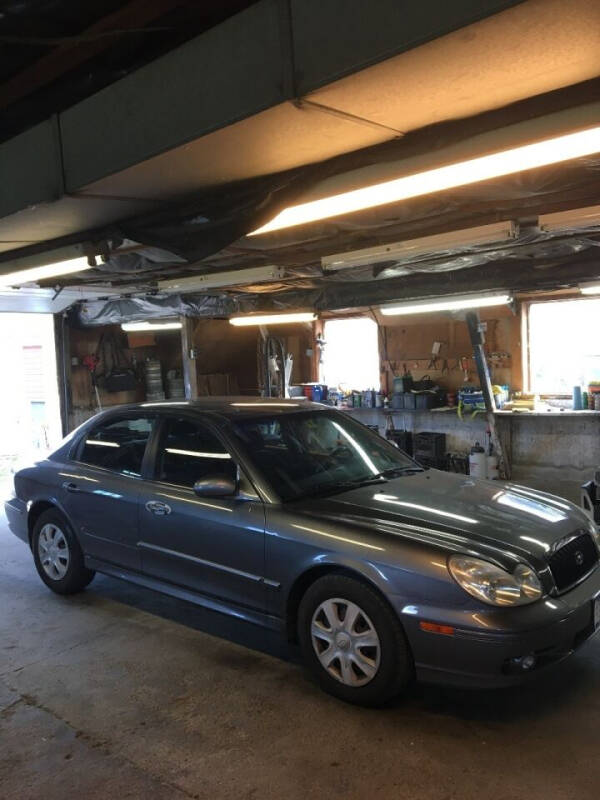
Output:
x=432 y=627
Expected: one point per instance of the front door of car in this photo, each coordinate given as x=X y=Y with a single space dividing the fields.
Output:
x=214 y=546
x=100 y=488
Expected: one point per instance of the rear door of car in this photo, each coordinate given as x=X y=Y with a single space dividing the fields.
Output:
x=100 y=487
x=214 y=546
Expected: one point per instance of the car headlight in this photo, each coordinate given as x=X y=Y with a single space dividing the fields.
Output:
x=494 y=585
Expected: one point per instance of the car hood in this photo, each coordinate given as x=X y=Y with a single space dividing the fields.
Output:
x=441 y=504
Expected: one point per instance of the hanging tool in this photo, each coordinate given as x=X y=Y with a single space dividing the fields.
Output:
x=274 y=370
x=464 y=365
x=91 y=361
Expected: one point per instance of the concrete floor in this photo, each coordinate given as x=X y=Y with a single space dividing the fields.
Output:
x=120 y=692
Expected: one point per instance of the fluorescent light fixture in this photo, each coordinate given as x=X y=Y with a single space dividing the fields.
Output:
x=463 y=173
x=99 y=443
x=567 y=220
x=450 y=303
x=485 y=234
x=273 y=319
x=34 y=274
x=130 y=327
x=218 y=279
x=590 y=288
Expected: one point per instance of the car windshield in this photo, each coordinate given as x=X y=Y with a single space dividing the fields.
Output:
x=318 y=452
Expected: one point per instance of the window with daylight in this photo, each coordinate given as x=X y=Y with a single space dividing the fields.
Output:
x=564 y=345
x=351 y=357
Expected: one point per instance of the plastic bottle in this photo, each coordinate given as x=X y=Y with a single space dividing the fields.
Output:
x=478 y=461
x=492 y=468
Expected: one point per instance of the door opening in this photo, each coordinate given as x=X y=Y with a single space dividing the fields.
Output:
x=29 y=400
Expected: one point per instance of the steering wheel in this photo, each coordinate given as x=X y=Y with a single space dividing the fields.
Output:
x=342 y=451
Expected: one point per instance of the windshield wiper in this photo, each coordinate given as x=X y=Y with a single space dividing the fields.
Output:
x=368 y=480
x=394 y=472
x=339 y=486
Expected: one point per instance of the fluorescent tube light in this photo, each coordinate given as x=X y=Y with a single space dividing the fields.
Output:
x=463 y=173
x=485 y=234
x=574 y=218
x=150 y=326
x=273 y=319
x=450 y=303
x=593 y=287
x=34 y=274
x=218 y=279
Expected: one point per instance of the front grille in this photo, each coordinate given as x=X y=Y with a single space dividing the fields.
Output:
x=572 y=561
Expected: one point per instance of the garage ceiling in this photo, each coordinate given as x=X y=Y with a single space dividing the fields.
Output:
x=312 y=95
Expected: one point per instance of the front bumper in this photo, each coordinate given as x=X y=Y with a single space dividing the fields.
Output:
x=487 y=644
x=16 y=514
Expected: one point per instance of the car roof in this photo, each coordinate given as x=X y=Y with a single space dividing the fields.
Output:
x=230 y=407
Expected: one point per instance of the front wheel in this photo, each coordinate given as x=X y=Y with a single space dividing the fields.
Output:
x=353 y=642
x=57 y=554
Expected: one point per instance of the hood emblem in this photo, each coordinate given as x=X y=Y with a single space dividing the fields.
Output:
x=578 y=557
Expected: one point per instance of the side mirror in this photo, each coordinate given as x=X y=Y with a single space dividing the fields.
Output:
x=215 y=486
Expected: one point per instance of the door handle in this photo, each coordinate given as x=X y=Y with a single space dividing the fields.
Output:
x=71 y=487
x=158 y=508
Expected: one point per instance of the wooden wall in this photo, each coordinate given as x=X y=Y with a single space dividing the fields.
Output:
x=165 y=346
x=220 y=347
x=224 y=348
x=408 y=341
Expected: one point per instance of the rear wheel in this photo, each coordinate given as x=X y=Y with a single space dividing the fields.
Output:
x=57 y=554
x=353 y=642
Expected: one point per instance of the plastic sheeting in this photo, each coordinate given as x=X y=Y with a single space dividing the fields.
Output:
x=210 y=231
x=565 y=268
x=209 y=234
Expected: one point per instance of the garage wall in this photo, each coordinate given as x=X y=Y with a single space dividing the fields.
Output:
x=224 y=348
x=409 y=340
x=226 y=360
x=136 y=348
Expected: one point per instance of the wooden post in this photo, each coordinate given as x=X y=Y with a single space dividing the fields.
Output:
x=478 y=340
x=63 y=367
x=190 y=373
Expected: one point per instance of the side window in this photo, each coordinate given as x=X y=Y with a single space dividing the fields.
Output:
x=188 y=451
x=118 y=446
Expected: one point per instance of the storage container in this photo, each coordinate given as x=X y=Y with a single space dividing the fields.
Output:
x=409 y=400
x=397 y=401
x=404 y=440
x=403 y=384
x=425 y=400
x=431 y=445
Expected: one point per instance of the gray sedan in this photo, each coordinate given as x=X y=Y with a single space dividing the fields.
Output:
x=295 y=517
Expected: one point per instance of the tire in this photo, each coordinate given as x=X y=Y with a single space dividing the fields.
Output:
x=337 y=618
x=58 y=555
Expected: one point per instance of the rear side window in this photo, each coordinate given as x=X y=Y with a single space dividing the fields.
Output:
x=189 y=451
x=118 y=446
